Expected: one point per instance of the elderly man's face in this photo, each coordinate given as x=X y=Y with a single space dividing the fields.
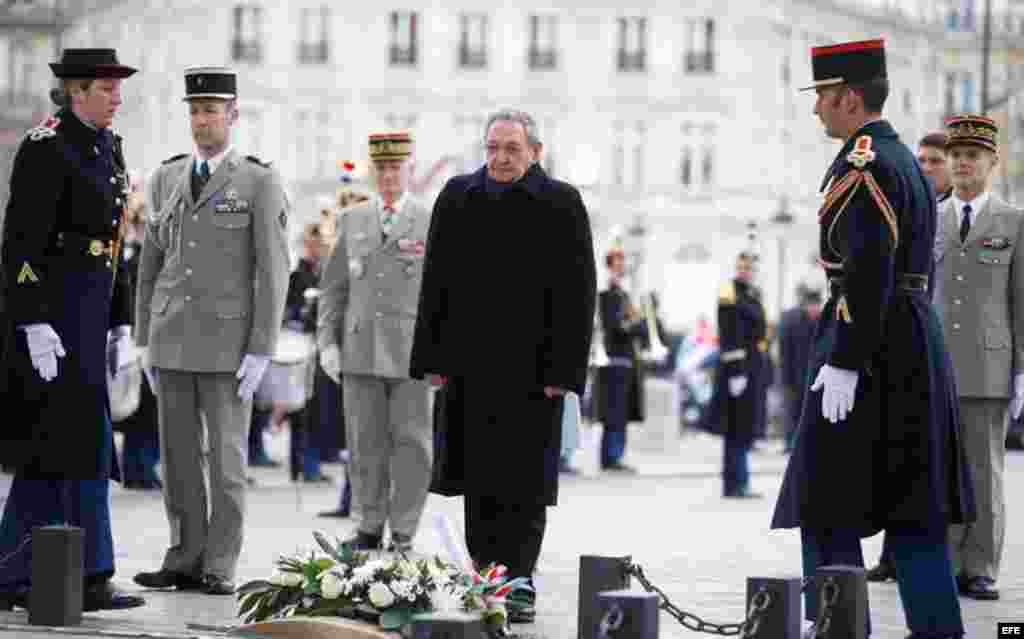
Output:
x=509 y=154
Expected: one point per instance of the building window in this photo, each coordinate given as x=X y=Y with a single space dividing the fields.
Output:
x=543 y=42
x=908 y=102
x=314 y=26
x=247 y=45
x=632 y=44
x=469 y=131
x=404 y=43
x=639 y=147
x=700 y=46
x=967 y=93
x=707 y=167
x=950 y=96
x=686 y=167
x=473 y=41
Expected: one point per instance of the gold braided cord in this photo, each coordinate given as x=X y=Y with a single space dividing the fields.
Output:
x=837 y=191
x=885 y=207
x=852 y=190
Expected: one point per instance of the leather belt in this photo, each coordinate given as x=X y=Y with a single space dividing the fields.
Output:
x=910 y=282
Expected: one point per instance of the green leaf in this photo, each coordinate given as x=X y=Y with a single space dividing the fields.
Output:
x=259 y=585
x=395 y=618
x=248 y=603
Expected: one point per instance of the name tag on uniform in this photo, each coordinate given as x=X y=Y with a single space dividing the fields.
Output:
x=231 y=204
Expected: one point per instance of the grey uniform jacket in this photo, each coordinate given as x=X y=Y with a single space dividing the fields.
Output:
x=370 y=290
x=214 y=272
x=979 y=296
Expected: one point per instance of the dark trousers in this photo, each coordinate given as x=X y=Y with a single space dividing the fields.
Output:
x=504 y=533
x=46 y=502
x=735 y=462
x=258 y=425
x=923 y=572
x=616 y=418
x=140 y=455
x=304 y=454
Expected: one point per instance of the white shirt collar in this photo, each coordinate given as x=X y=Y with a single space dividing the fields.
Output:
x=399 y=205
x=977 y=205
x=213 y=162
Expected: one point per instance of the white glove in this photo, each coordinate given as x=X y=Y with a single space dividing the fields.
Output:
x=737 y=385
x=250 y=373
x=1018 y=395
x=330 y=361
x=44 y=347
x=840 y=388
x=119 y=348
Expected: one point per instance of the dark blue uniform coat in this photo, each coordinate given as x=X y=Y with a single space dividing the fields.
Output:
x=506 y=308
x=897 y=459
x=621 y=338
x=68 y=186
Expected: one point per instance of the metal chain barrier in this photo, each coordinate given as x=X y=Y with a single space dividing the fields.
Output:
x=745 y=629
x=829 y=597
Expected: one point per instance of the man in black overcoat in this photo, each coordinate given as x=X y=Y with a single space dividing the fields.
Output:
x=68 y=302
x=796 y=334
x=505 y=320
x=879 y=443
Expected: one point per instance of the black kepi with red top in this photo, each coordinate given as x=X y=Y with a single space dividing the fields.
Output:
x=847 y=63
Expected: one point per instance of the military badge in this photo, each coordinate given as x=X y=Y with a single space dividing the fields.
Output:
x=861 y=155
x=996 y=243
x=355 y=268
x=26 y=274
x=411 y=247
x=45 y=129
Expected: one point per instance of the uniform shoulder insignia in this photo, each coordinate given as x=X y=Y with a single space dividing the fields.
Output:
x=45 y=129
x=861 y=155
x=174 y=158
x=256 y=160
x=727 y=293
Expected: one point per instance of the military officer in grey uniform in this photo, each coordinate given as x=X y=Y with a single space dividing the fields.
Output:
x=979 y=294
x=211 y=294
x=367 y=312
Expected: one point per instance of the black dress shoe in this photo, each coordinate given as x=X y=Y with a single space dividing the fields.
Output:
x=217 y=585
x=619 y=467
x=363 y=541
x=168 y=579
x=17 y=597
x=104 y=596
x=338 y=513
x=742 y=493
x=980 y=588
x=882 y=572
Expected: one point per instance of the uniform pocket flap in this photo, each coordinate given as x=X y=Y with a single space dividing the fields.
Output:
x=231 y=220
x=994 y=258
x=159 y=302
x=997 y=338
x=231 y=309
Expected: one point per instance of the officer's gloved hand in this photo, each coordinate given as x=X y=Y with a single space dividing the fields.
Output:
x=737 y=384
x=840 y=388
x=330 y=361
x=119 y=348
x=251 y=373
x=1018 y=395
x=44 y=347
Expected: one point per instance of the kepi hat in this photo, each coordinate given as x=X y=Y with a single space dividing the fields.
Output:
x=210 y=82
x=395 y=145
x=972 y=128
x=90 y=63
x=847 y=63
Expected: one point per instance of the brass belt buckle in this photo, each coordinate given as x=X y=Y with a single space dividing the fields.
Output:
x=96 y=248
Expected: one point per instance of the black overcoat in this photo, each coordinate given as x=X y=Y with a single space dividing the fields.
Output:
x=68 y=185
x=621 y=337
x=897 y=459
x=506 y=308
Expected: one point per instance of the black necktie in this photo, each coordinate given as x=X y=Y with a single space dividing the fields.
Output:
x=199 y=179
x=965 y=224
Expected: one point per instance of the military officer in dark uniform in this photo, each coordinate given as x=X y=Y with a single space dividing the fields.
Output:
x=741 y=374
x=879 y=444
x=620 y=393
x=68 y=303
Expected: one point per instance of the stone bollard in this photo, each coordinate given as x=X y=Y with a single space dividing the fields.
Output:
x=845 y=605
x=638 y=610
x=781 y=618
x=597 y=574
x=447 y=625
x=57 y=576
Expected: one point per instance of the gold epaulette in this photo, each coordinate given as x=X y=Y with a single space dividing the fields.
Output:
x=727 y=293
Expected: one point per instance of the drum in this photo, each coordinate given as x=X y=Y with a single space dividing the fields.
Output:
x=288 y=382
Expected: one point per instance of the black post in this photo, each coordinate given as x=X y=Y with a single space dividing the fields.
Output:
x=848 y=613
x=637 y=614
x=447 y=625
x=597 y=574
x=58 y=567
x=781 y=617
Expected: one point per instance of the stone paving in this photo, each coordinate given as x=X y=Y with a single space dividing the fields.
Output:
x=670 y=517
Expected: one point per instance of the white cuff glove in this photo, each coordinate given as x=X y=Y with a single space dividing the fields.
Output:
x=119 y=348
x=250 y=373
x=44 y=347
x=330 y=361
x=1018 y=395
x=840 y=389
x=737 y=385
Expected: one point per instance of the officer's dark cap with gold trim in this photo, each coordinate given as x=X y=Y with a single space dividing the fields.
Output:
x=216 y=83
x=90 y=63
x=847 y=63
x=972 y=129
x=395 y=145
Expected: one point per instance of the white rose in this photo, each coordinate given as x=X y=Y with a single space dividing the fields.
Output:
x=381 y=596
x=286 y=579
x=330 y=586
